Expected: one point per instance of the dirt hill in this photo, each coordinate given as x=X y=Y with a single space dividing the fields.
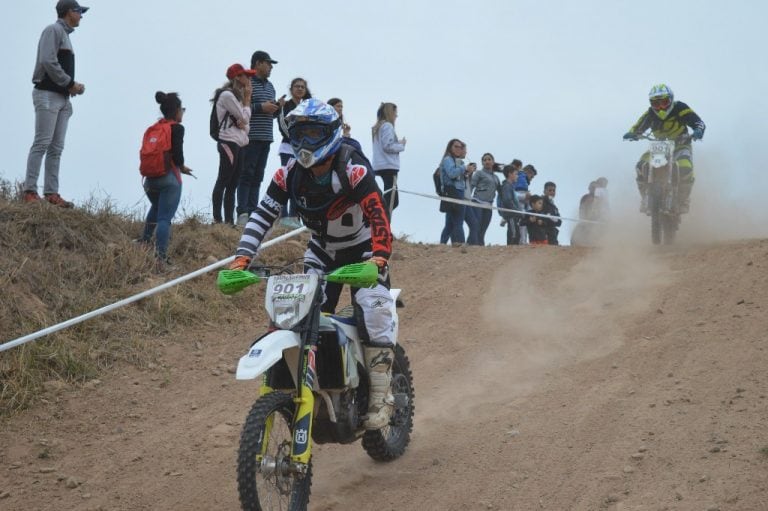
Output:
x=618 y=378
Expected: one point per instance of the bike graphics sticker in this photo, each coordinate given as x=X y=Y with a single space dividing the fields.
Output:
x=301 y=436
x=310 y=373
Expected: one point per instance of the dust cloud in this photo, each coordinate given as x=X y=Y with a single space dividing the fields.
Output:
x=550 y=308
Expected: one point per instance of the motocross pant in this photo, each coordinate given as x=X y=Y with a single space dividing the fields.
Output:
x=373 y=307
x=682 y=157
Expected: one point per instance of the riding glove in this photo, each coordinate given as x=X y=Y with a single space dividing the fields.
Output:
x=698 y=134
x=630 y=135
x=240 y=263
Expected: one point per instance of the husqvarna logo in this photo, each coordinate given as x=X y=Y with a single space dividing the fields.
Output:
x=301 y=436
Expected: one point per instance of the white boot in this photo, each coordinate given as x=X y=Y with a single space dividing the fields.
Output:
x=378 y=362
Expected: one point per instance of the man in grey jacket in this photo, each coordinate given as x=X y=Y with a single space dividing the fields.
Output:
x=54 y=79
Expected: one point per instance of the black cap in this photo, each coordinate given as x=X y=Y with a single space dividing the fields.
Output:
x=261 y=56
x=64 y=6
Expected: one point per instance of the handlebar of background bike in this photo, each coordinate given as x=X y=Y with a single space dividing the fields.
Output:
x=685 y=137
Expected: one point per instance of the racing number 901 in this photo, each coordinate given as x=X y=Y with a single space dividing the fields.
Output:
x=288 y=288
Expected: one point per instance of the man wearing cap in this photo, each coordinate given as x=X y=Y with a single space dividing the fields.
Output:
x=54 y=79
x=264 y=109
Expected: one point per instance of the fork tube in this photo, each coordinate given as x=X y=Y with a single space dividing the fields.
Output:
x=301 y=449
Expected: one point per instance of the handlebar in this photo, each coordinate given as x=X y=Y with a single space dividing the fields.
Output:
x=685 y=137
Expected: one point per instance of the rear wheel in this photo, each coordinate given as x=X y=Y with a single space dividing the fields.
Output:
x=266 y=479
x=390 y=442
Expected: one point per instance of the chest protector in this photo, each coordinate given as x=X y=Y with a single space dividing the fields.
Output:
x=316 y=202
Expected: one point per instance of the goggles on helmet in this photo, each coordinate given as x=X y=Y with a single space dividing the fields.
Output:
x=311 y=135
x=661 y=103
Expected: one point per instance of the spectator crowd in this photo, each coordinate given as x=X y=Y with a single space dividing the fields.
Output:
x=244 y=110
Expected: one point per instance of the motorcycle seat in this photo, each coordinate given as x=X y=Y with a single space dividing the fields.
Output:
x=346 y=316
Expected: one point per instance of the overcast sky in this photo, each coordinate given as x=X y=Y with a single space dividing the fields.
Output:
x=553 y=83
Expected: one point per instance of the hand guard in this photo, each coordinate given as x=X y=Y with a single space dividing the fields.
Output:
x=240 y=263
x=698 y=134
x=630 y=135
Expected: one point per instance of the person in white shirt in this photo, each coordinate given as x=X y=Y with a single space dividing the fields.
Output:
x=386 y=153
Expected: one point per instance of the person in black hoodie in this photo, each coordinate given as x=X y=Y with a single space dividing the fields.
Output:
x=54 y=79
x=550 y=208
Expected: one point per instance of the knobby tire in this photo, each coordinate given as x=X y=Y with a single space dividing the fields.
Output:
x=390 y=442
x=281 y=406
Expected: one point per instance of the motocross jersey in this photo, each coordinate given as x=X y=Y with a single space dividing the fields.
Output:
x=677 y=122
x=342 y=209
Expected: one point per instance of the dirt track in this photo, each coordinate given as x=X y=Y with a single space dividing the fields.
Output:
x=546 y=378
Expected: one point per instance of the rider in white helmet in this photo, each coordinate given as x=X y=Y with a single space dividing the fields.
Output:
x=668 y=120
x=337 y=198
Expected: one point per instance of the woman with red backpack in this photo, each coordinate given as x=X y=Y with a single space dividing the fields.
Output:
x=162 y=181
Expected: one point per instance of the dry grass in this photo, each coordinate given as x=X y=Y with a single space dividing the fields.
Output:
x=57 y=264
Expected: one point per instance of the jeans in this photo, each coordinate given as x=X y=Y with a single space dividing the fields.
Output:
x=164 y=194
x=472 y=218
x=252 y=174
x=230 y=164
x=513 y=231
x=483 y=220
x=454 y=225
x=52 y=113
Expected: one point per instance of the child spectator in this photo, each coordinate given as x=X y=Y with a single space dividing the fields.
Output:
x=523 y=195
x=537 y=226
x=551 y=209
x=508 y=200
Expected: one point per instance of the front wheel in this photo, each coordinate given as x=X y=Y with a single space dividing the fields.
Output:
x=266 y=478
x=389 y=442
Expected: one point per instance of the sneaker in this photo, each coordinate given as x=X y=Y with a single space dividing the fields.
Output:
x=56 y=200
x=242 y=219
x=30 y=196
x=142 y=243
x=163 y=265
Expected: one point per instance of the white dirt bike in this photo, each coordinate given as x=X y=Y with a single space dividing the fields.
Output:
x=314 y=386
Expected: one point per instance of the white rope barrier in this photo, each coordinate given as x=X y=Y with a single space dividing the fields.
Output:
x=107 y=308
x=144 y=294
x=490 y=206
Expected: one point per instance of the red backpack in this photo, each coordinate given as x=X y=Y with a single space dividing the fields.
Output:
x=155 y=153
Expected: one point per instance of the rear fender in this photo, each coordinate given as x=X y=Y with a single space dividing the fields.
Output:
x=266 y=352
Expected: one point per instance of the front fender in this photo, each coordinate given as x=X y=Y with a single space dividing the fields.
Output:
x=265 y=353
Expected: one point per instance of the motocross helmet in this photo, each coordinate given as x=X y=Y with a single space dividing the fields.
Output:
x=314 y=130
x=662 y=100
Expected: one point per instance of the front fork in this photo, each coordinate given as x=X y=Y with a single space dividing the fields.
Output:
x=669 y=198
x=301 y=448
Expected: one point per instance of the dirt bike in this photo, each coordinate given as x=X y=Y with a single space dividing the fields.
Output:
x=662 y=189
x=314 y=386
